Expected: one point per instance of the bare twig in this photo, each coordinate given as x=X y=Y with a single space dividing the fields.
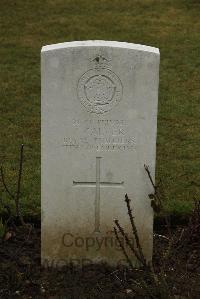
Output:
x=155 y=195
x=150 y=177
x=157 y=204
x=154 y=286
x=19 y=181
x=134 y=230
x=4 y=184
x=123 y=249
x=131 y=246
x=16 y=197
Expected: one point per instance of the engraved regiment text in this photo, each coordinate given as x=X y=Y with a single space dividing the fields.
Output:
x=100 y=135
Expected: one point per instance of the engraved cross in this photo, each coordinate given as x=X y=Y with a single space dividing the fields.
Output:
x=97 y=184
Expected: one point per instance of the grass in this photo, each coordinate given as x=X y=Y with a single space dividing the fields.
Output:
x=171 y=25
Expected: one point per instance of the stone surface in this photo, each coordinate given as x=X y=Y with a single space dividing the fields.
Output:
x=99 y=120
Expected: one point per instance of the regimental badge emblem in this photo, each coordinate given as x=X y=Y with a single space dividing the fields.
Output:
x=99 y=89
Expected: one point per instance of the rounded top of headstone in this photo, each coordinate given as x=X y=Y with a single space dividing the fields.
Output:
x=100 y=43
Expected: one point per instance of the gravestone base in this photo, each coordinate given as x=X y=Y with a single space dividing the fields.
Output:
x=83 y=248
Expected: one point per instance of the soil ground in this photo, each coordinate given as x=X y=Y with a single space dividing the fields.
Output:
x=21 y=275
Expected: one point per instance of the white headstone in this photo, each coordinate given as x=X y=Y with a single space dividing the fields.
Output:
x=99 y=121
